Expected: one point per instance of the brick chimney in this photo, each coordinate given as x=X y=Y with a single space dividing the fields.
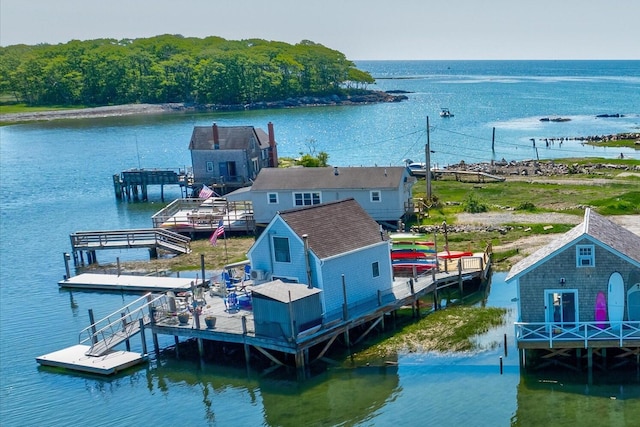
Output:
x=216 y=136
x=273 y=150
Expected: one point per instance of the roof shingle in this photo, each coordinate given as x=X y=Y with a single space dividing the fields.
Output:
x=334 y=228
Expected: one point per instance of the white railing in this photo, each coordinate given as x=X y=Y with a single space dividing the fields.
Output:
x=580 y=331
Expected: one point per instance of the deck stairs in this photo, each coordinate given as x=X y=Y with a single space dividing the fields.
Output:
x=105 y=334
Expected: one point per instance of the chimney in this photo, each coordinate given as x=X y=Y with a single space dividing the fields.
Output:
x=216 y=136
x=335 y=171
x=273 y=149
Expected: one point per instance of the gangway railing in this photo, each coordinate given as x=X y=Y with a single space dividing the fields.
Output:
x=118 y=326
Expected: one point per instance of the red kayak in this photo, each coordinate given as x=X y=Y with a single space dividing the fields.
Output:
x=407 y=254
x=453 y=254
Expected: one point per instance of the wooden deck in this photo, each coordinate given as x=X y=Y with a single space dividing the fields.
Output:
x=580 y=335
x=204 y=216
x=236 y=324
x=88 y=242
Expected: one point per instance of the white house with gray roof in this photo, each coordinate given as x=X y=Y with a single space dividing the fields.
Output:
x=335 y=247
x=383 y=192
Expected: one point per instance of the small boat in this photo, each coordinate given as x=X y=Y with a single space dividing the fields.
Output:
x=445 y=113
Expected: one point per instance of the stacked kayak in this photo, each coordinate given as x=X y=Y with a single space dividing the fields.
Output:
x=409 y=251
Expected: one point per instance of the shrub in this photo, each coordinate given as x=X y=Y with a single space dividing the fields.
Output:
x=472 y=205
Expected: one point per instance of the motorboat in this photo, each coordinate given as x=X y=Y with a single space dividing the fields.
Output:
x=445 y=113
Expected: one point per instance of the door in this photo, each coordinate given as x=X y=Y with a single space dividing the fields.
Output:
x=561 y=307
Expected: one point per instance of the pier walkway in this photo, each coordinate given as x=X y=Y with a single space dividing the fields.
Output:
x=153 y=239
x=133 y=183
x=237 y=325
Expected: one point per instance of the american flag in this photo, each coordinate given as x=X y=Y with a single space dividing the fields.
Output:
x=217 y=233
x=205 y=193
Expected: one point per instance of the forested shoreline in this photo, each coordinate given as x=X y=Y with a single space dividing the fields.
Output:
x=175 y=69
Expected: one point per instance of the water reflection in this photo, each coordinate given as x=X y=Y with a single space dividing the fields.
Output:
x=336 y=396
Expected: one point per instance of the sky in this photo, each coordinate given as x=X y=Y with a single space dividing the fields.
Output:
x=361 y=29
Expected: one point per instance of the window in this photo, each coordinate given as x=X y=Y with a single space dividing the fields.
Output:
x=209 y=166
x=375 y=268
x=272 y=198
x=306 y=199
x=375 y=196
x=281 y=249
x=585 y=256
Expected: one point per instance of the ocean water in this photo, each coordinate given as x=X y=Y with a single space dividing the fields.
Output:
x=55 y=179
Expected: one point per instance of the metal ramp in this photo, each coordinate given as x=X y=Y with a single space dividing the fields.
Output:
x=105 y=334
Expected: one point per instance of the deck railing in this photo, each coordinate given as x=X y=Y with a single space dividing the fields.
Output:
x=581 y=331
x=106 y=239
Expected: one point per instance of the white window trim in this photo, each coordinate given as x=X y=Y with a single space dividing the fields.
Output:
x=375 y=192
x=269 y=198
x=591 y=257
x=373 y=269
x=311 y=193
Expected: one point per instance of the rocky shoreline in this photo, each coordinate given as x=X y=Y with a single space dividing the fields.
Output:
x=369 y=97
x=540 y=168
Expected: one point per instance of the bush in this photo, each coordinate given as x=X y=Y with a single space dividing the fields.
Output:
x=526 y=206
x=472 y=205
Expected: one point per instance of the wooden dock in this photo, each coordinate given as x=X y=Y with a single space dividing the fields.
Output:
x=87 y=242
x=459 y=174
x=126 y=283
x=237 y=324
x=133 y=183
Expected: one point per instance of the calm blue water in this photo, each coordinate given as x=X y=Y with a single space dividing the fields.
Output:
x=55 y=178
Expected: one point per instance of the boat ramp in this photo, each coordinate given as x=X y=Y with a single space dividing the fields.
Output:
x=188 y=315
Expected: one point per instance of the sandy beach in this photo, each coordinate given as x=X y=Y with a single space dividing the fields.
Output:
x=83 y=113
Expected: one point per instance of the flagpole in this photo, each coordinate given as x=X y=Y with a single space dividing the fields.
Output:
x=226 y=254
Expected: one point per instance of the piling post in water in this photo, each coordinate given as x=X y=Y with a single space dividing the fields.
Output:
x=66 y=265
x=505 y=345
x=118 y=265
x=501 y=365
x=143 y=337
x=94 y=339
x=493 y=140
x=127 y=343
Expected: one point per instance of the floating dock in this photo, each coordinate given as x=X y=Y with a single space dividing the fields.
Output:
x=127 y=283
x=74 y=358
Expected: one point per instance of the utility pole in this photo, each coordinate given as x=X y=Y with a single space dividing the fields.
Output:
x=427 y=156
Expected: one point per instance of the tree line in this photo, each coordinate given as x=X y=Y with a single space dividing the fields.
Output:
x=173 y=68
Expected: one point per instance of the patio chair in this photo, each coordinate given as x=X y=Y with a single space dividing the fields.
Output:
x=232 y=302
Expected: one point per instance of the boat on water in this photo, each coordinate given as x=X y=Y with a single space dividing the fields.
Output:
x=445 y=113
